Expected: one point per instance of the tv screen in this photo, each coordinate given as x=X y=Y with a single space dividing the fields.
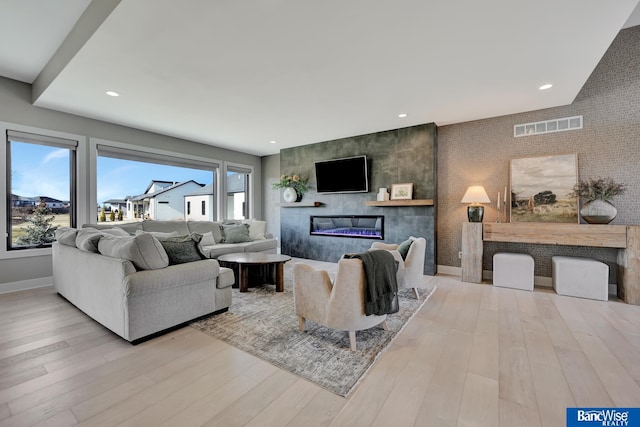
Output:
x=348 y=175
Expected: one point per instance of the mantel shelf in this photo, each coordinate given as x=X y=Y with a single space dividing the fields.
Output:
x=300 y=204
x=416 y=202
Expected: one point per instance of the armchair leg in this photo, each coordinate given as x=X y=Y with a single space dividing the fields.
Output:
x=415 y=292
x=352 y=340
x=384 y=325
x=301 y=324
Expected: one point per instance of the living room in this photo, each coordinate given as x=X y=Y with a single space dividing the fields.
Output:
x=474 y=152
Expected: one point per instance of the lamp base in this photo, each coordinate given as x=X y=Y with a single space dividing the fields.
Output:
x=475 y=213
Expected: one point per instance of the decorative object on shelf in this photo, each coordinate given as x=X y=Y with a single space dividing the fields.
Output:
x=402 y=191
x=596 y=195
x=290 y=195
x=383 y=195
x=294 y=187
x=475 y=195
x=504 y=206
x=541 y=189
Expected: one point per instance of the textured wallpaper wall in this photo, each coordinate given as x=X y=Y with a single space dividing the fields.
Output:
x=479 y=153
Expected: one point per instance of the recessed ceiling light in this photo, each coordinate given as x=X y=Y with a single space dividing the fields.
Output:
x=273 y=142
x=402 y=115
x=112 y=93
x=546 y=86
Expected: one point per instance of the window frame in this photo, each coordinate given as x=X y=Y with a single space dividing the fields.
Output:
x=249 y=199
x=153 y=155
x=77 y=182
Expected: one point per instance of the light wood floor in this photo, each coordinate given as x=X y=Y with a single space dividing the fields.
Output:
x=473 y=356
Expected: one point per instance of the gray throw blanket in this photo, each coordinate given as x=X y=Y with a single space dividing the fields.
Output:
x=381 y=288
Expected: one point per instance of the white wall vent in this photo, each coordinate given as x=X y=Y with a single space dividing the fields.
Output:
x=548 y=126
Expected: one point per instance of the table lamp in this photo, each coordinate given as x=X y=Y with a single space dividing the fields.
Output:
x=475 y=195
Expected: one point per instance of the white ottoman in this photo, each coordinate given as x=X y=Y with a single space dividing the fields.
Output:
x=580 y=277
x=513 y=271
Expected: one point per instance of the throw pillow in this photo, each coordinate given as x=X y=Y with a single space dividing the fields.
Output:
x=235 y=233
x=208 y=239
x=257 y=229
x=67 y=236
x=87 y=239
x=182 y=249
x=204 y=227
x=143 y=250
x=403 y=248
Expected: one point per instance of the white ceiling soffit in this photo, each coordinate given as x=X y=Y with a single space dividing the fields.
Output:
x=225 y=74
x=30 y=33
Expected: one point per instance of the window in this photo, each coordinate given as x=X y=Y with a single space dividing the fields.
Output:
x=153 y=186
x=204 y=208
x=238 y=186
x=41 y=184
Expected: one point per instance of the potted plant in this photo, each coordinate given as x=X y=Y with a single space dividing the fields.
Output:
x=596 y=195
x=294 y=187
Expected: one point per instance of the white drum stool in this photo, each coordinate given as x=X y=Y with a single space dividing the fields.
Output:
x=580 y=277
x=513 y=271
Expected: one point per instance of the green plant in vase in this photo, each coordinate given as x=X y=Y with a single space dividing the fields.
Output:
x=294 y=187
x=596 y=195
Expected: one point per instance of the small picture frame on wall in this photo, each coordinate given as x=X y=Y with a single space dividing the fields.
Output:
x=402 y=191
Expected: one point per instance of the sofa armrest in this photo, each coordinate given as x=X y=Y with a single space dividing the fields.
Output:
x=384 y=246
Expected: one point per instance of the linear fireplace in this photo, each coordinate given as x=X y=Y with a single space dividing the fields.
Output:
x=358 y=226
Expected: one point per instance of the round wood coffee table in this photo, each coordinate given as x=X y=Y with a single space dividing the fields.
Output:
x=274 y=263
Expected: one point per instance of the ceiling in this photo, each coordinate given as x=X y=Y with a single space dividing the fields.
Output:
x=298 y=72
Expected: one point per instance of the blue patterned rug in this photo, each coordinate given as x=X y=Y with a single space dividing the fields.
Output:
x=264 y=323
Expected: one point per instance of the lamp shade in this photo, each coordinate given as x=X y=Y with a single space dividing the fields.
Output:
x=475 y=194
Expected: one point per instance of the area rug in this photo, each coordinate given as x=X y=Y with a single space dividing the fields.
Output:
x=264 y=323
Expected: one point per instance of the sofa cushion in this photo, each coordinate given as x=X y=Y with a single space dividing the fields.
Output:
x=221 y=249
x=87 y=239
x=235 y=233
x=143 y=250
x=182 y=249
x=259 y=245
x=67 y=236
x=129 y=227
x=158 y=233
x=167 y=227
x=204 y=227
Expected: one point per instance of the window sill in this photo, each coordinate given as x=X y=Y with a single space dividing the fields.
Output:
x=25 y=253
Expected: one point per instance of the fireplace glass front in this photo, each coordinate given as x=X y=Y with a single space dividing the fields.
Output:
x=358 y=226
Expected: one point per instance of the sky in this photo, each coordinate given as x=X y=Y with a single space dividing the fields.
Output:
x=531 y=175
x=38 y=170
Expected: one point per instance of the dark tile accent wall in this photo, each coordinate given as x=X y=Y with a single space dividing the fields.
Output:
x=395 y=156
x=479 y=153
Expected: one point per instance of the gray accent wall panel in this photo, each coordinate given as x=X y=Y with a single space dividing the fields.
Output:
x=395 y=156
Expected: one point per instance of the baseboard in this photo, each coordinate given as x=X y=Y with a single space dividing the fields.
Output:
x=448 y=270
x=23 y=285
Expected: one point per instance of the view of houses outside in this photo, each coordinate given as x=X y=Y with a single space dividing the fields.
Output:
x=127 y=190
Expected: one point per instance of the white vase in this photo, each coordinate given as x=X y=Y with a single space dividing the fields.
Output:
x=598 y=212
x=383 y=195
x=289 y=195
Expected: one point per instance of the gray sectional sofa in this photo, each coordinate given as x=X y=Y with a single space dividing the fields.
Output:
x=142 y=279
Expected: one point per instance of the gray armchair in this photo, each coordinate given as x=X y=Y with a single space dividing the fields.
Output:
x=411 y=269
x=338 y=305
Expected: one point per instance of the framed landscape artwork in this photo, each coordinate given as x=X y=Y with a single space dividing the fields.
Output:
x=402 y=191
x=540 y=188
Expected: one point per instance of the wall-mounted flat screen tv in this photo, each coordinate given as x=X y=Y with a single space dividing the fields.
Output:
x=347 y=175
